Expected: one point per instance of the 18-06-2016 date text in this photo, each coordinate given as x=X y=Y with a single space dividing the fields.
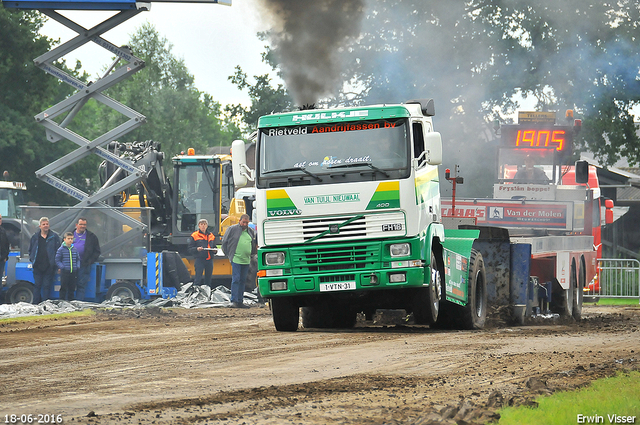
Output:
x=33 y=419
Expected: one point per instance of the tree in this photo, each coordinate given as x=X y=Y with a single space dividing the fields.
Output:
x=579 y=56
x=265 y=99
x=475 y=58
x=26 y=91
x=178 y=114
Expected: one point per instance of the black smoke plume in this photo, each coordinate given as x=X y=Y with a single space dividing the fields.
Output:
x=306 y=37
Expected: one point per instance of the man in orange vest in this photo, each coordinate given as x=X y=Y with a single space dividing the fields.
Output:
x=202 y=246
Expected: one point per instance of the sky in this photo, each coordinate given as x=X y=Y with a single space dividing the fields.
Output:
x=211 y=38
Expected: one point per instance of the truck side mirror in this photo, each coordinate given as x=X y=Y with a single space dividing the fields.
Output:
x=582 y=172
x=239 y=163
x=608 y=212
x=433 y=148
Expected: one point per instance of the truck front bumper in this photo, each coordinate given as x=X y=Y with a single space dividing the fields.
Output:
x=370 y=280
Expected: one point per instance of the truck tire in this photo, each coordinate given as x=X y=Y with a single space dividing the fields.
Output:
x=124 y=290
x=286 y=314
x=426 y=301
x=474 y=314
x=578 y=297
x=325 y=316
x=343 y=317
x=313 y=317
x=562 y=299
x=21 y=292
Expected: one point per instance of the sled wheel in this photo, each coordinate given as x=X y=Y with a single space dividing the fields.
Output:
x=579 y=293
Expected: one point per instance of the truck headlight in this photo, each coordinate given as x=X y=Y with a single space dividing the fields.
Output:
x=397 y=277
x=274 y=258
x=278 y=285
x=400 y=249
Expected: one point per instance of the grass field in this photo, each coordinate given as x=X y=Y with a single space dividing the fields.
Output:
x=55 y=316
x=617 y=301
x=606 y=401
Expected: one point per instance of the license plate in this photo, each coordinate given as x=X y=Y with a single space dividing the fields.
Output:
x=337 y=286
x=392 y=227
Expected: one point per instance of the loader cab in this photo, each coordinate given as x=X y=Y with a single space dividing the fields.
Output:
x=11 y=197
x=203 y=189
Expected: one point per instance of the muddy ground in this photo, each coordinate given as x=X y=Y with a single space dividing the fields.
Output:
x=218 y=365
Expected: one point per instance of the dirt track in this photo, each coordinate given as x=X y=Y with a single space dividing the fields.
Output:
x=231 y=366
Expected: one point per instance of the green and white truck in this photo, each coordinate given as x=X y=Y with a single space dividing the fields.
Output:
x=348 y=219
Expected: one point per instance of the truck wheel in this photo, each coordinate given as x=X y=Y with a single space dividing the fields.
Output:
x=562 y=299
x=579 y=294
x=314 y=317
x=344 y=318
x=475 y=312
x=124 y=290
x=426 y=301
x=285 y=314
x=21 y=292
x=325 y=316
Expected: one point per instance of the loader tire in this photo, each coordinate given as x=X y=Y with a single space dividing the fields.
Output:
x=474 y=314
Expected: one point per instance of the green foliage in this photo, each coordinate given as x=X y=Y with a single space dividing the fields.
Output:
x=474 y=58
x=265 y=99
x=178 y=114
x=618 y=395
x=26 y=91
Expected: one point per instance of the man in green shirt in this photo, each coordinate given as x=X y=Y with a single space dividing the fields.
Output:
x=238 y=244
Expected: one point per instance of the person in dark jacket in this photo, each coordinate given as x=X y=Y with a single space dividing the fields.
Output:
x=4 y=248
x=202 y=246
x=239 y=245
x=68 y=263
x=88 y=248
x=42 y=254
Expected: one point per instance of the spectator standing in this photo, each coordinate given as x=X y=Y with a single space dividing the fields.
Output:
x=202 y=247
x=68 y=262
x=42 y=254
x=4 y=248
x=239 y=244
x=88 y=247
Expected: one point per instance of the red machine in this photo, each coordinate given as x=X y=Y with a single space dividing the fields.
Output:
x=542 y=201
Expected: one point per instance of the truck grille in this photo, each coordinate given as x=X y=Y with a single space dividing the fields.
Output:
x=368 y=226
x=335 y=258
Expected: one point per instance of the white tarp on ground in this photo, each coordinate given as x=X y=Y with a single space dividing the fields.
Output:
x=189 y=296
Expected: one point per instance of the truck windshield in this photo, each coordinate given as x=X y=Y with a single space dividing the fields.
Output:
x=333 y=152
x=526 y=166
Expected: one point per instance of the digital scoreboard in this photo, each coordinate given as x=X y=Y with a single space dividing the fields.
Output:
x=543 y=137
